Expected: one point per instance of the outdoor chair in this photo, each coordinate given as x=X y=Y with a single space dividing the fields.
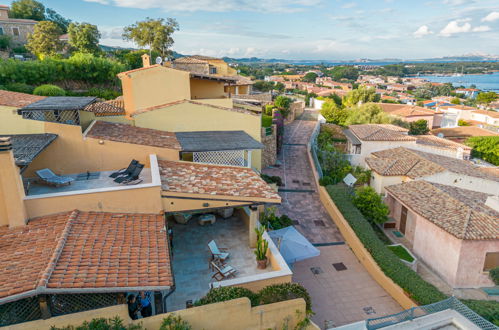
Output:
x=216 y=252
x=125 y=171
x=48 y=177
x=223 y=272
x=132 y=178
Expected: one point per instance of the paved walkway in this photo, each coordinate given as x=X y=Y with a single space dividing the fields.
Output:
x=339 y=296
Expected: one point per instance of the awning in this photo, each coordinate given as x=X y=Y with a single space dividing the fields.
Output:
x=293 y=245
x=351 y=137
x=59 y=103
x=216 y=141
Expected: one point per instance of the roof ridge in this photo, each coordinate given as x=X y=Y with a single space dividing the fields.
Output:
x=47 y=273
x=394 y=161
x=467 y=223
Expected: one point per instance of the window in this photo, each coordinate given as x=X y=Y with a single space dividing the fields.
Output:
x=1 y=31
x=491 y=261
x=15 y=31
x=213 y=70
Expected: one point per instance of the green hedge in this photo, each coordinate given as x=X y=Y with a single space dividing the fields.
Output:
x=418 y=289
x=268 y=295
x=49 y=90
x=80 y=67
x=266 y=121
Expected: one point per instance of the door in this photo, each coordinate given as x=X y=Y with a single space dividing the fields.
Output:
x=403 y=219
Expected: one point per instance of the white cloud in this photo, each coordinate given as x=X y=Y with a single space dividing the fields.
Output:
x=423 y=30
x=456 y=2
x=493 y=16
x=349 y=5
x=481 y=28
x=216 y=6
x=453 y=27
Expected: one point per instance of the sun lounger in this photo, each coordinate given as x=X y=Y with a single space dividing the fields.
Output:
x=132 y=178
x=222 y=272
x=125 y=171
x=48 y=177
x=216 y=252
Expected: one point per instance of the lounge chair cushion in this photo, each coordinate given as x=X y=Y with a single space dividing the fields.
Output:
x=49 y=176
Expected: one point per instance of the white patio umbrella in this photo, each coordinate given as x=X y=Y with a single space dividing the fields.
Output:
x=293 y=245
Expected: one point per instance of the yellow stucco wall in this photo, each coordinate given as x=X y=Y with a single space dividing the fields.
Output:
x=223 y=69
x=145 y=200
x=178 y=205
x=206 y=89
x=224 y=102
x=12 y=211
x=154 y=86
x=72 y=153
x=229 y=315
x=12 y=123
x=187 y=117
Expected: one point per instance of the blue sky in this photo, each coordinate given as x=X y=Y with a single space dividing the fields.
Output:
x=305 y=29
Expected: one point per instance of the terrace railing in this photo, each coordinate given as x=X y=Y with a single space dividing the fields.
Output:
x=451 y=303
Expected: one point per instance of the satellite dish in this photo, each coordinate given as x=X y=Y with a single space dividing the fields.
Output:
x=441 y=135
x=349 y=180
x=159 y=60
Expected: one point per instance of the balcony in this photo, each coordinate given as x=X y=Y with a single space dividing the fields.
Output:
x=191 y=259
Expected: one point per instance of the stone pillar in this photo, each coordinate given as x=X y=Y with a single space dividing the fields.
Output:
x=146 y=60
x=254 y=220
x=12 y=210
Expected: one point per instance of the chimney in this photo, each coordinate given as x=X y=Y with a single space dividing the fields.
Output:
x=12 y=210
x=146 y=61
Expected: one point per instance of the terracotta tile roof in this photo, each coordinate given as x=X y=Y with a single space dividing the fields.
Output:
x=242 y=81
x=205 y=58
x=493 y=114
x=189 y=60
x=435 y=141
x=196 y=178
x=18 y=100
x=114 y=107
x=460 y=107
x=170 y=104
x=460 y=212
x=138 y=69
x=131 y=134
x=428 y=164
x=380 y=132
x=463 y=131
x=404 y=110
x=84 y=250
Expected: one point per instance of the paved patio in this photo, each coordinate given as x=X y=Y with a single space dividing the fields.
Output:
x=342 y=296
x=191 y=256
x=96 y=180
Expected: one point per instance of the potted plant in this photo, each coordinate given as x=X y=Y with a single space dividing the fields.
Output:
x=261 y=249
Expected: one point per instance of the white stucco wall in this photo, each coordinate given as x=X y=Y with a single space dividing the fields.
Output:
x=464 y=182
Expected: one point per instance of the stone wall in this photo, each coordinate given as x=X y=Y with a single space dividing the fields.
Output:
x=295 y=110
x=192 y=67
x=263 y=97
x=25 y=29
x=269 y=154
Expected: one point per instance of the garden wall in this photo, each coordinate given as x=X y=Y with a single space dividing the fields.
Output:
x=232 y=314
x=358 y=248
x=269 y=153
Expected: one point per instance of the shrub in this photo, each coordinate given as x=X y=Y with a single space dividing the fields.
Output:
x=115 y=323
x=418 y=127
x=419 y=290
x=272 y=179
x=266 y=121
x=270 y=220
x=20 y=87
x=462 y=122
x=370 y=204
x=283 y=103
x=284 y=291
x=494 y=275
x=4 y=42
x=326 y=181
x=488 y=309
x=49 y=90
x=225 y=293
x=268 y=109
x=174 y=322
x=485 y=147
x=103 y=93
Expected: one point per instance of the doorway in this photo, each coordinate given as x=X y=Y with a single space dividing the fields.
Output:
x=403 y=219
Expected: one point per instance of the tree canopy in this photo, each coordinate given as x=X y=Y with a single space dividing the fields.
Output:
x=310 y=77
x=84 y=37
x=333 y=113
x=369 y=113
x=485 y=147
x=53 y=16
x=44 y=41
x=344 y=72
x=27 y=9
x=156 y=34
x=418 y=127
x=361 y=94
x=486 y=98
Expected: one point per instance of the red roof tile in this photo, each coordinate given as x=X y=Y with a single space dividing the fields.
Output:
x=196 y=178
x=18 y=100
x=135 y=135
x=84 y=250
